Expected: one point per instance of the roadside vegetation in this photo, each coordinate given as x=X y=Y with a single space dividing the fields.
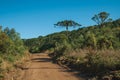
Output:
x=12 y=53
x=92 y=50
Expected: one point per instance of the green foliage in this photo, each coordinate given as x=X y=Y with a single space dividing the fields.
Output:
x=11 y=49
x=86 y=37
x=1 y=76
x=10 y=42
x=101 y=18
x=67 y=24
x=4 y=42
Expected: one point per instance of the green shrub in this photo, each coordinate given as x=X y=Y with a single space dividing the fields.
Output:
x=1 y=76
x=10 y=58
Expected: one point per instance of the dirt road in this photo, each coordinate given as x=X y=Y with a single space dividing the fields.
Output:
x=42 y=68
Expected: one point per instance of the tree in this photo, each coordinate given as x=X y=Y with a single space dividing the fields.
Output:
x=67 y=24
x=101 y=18
x=0 y=29
x=4 y=43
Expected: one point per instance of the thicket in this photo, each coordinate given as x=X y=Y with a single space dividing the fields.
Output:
x=12 y=50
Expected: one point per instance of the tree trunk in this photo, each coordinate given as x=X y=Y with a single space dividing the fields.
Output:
x=67 y=31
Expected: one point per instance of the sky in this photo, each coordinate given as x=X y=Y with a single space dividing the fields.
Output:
x=33 y=18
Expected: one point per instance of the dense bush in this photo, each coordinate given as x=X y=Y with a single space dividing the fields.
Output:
x=11 y=49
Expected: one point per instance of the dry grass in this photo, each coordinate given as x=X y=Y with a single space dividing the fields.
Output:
x=93 y=60
x=78 y=53
x=9 y=70
x=104 y=53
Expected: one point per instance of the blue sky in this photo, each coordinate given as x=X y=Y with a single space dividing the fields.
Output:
x=32 y=18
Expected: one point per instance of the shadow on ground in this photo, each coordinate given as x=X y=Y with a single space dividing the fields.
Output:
x=41 y=59
x=61 y=69
x=77 y=74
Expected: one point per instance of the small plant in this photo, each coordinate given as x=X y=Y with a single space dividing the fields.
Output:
x=1 y=76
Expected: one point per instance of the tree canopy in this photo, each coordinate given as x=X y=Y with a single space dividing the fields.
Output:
x=101 y=18
x=67 y=24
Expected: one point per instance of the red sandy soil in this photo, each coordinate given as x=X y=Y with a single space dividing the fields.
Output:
x=42 y=68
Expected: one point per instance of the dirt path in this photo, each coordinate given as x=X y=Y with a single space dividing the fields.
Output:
x=41 y=68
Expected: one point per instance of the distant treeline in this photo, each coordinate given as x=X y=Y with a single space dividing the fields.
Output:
x=107 y=37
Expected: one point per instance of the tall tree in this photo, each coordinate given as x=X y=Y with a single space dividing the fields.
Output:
x=101 y=18
x=0 y=29
x=67 y=24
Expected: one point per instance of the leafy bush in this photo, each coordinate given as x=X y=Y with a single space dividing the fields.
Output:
x=11 y=50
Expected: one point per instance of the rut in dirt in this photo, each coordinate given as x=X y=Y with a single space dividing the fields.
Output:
x=42 y=68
